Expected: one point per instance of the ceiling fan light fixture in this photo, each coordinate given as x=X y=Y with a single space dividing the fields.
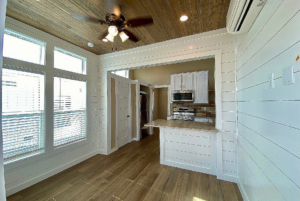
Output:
x=104 y=40
x=184 y=18
x=110 y=38
x=113 y=30
x=123 y=36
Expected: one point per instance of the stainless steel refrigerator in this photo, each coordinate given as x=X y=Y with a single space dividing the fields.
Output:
x=144 y=113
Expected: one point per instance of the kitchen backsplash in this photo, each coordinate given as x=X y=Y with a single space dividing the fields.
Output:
x=201 y=109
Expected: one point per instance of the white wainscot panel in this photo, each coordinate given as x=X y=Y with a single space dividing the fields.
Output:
x=228 y=67
x=228 y=96
x=287 y=188
x=229 y=116
x=192 y=150
x=274 y=153
x=276 y=65
x=280 y=92
x=251 y=189
x=286 y=113
x=228 y=86
x=285 y=137
x=228 y=77
x=268 y=187
x=229 y=106
x=229 y=126
x=228 y=57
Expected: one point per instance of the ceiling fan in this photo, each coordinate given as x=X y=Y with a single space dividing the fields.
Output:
x=117 y=23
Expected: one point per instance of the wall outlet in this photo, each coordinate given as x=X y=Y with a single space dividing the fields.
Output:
x=271 y=81
x=288 y=76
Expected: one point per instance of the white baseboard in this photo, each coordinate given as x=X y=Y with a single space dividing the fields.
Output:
x=242 y=190
x=37 y=179
x=226 y=177
x=112 y=150
x=103 y=152
x=134 y=139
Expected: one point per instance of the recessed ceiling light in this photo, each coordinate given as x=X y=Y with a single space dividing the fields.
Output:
x=90 y=44
x=184 y=18
x=104 y=40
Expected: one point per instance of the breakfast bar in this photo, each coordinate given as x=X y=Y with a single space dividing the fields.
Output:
x=187 y=144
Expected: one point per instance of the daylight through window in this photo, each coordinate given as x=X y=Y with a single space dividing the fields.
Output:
x=69 y=111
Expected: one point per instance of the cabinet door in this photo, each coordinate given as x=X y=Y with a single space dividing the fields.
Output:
x=176 y=82
x=187 y=81
x=201 y=86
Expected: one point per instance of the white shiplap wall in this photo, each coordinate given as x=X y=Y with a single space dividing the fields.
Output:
x=21 y=174
x=181 y=49
x=268 y=119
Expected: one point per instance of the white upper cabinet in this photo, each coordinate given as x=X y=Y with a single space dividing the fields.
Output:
x=201 y=86
x=176 y=82
x=187 y=81
x=196 y=81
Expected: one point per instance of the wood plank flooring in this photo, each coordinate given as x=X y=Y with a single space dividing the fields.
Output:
x=132 y=173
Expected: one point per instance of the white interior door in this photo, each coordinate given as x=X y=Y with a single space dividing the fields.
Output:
x=123 y=113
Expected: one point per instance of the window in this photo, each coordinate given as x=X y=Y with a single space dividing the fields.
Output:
x=22 y=114
x=69 y=61
x=69 y=111
x=122 y=73
x=21 y=47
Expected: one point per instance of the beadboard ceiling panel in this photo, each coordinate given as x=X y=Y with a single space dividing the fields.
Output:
x=54 y=17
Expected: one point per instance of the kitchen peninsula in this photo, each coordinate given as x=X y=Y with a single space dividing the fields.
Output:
x=187 y=144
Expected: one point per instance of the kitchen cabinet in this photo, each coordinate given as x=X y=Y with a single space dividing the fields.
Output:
x=201 y=86
x=195 y=81
x=183 y=81
x=176 y=82
x=187 y=81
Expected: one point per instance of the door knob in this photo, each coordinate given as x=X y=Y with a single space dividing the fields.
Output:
x=128 y=115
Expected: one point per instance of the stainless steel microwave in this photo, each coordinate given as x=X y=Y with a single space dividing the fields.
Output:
x=182 y=96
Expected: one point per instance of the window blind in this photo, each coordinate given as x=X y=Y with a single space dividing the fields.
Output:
x=22 y=114
x=69 y=111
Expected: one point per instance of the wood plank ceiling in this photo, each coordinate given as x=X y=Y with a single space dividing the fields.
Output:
x=54 y=17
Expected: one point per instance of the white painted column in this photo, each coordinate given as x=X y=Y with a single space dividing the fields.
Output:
x=2 y=25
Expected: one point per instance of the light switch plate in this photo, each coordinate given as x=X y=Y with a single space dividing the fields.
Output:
x=288 y=76
x=271 y=81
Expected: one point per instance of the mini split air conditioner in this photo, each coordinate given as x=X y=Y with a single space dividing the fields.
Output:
x=241 y=15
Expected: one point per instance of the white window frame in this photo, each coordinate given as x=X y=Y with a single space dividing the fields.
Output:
x=25 y=66
x=73 y=76
x=84 y=60
x=29 y=39
x=49 y=71
x=80 y=139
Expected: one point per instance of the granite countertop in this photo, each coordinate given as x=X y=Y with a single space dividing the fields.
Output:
x=185 y=125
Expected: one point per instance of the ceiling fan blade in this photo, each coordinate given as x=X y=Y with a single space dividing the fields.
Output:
x=131 y=36
x=103 y=35
x=114 y=7
x=87 y=18
x=141 y=21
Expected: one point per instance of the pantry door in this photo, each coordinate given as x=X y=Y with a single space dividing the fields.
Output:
x=123 y=113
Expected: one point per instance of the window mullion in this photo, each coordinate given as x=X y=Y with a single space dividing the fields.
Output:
x=49 y=99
